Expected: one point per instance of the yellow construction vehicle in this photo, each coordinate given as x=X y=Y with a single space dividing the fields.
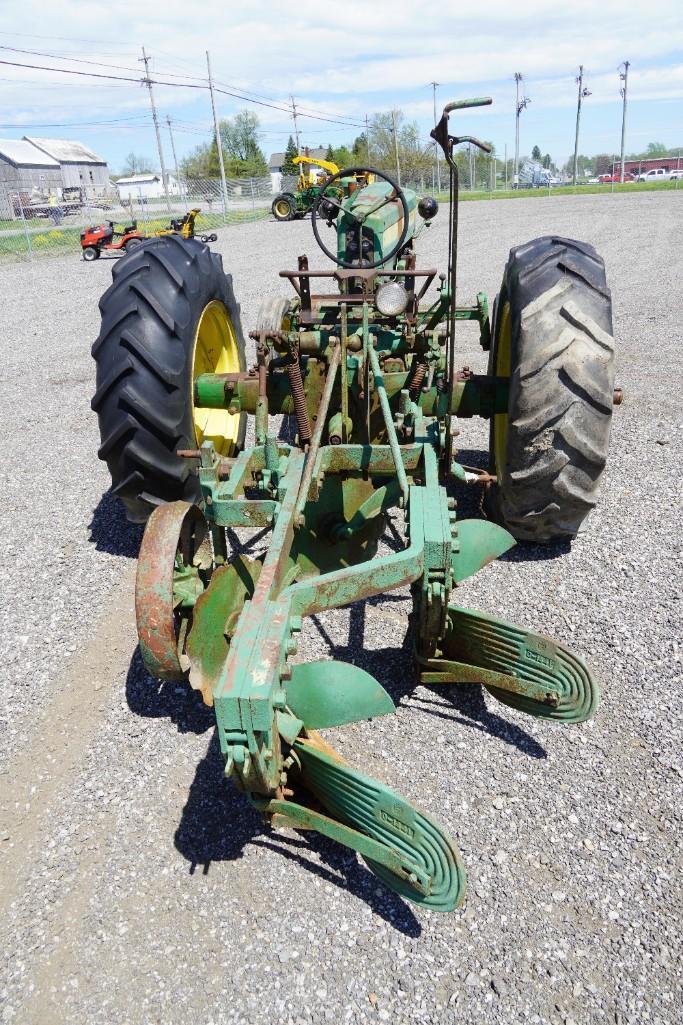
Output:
x=288 y=206
x=308 y=178
x=185 y=227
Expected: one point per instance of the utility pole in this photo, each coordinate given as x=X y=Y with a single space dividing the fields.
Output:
x=367 y=140
x=506 y=167
x=175 y=158
x=219 y=141
x=436 y=145
x=520 y=105
x=296 y=126
x=581 y=95
x=148 y=82
x=398 y=166
x=624 y=78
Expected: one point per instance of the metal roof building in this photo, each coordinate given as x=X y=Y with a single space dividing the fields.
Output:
x=24 y=168
x=81 y=168
x=144 y=186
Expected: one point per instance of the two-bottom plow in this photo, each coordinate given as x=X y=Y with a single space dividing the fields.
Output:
x=234 y=626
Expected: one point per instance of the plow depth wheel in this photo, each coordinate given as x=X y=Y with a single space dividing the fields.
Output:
x=174 y=552
x=169 y=315
x=552 y=337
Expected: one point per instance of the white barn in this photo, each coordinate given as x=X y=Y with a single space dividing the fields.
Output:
x=81 y=168
x=23 y=171
x=145 y=186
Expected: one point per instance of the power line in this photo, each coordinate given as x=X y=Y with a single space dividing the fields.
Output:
x=79 y=124
x=62 y=39
x=178 y=85
x=66 y=57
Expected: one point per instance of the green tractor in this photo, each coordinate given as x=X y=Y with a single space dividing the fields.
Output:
x=290 y=206
x=363 y=356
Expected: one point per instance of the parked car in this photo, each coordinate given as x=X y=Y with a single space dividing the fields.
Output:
x=659 y=174
x=607 y=179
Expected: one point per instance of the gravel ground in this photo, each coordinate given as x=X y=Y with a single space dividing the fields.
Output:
x=136 y=888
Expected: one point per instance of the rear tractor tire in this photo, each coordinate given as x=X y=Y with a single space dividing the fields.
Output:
x=169 y=315
x=552 y=337
x=284 y=207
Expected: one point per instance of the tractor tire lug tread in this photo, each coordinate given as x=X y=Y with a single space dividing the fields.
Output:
x=561 y=386
x=144 y=359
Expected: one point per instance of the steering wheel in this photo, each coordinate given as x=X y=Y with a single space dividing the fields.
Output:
x=360 y=217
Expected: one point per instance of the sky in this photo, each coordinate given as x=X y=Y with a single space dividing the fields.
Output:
x=341 y=62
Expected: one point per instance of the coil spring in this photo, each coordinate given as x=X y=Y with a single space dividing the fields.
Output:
x=297 y=386
x=419 y=371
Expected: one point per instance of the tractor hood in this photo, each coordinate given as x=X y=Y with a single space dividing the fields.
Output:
x=381 y=217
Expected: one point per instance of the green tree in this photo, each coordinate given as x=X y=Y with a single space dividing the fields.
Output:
x=547 y=160
x=201 y=163
x=343 y=157
x=242 y=155
x=657 y=149
x=536 y=153
x=602 y=163
x=330 y=153
x=415 y=159
x=359 y=149
x=289 y=168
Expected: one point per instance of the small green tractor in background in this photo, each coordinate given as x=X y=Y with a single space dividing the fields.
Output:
x=290 y=206
x=364 y=357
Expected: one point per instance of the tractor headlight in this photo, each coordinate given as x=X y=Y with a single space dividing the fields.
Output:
x=391 y=298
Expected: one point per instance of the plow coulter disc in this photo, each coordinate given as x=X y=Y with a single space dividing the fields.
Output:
x=173 y=551
x=379 y=812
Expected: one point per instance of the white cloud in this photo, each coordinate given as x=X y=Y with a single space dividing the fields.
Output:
x=346 y=59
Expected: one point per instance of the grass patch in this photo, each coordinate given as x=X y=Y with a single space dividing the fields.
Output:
x=55 y=241
x=564 y=190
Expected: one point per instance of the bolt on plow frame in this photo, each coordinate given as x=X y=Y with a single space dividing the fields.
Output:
x=363 y=356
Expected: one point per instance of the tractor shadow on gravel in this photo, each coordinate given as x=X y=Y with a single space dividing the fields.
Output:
x=217 y=823
x=111 y=532
x=394 y=668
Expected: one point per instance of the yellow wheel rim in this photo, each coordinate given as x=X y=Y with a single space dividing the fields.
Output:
x=282 y=208
x=502 y=369
x=215 y=352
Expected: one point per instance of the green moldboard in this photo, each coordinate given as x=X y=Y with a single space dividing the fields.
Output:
x=492 y=644
x=329 y=693
x=376 y=810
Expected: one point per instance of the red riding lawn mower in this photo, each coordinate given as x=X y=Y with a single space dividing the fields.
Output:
x=104 y=236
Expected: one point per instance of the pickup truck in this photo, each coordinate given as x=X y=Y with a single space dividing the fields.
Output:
x=659 y=174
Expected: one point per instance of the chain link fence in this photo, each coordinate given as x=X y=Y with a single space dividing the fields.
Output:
x=33 y=225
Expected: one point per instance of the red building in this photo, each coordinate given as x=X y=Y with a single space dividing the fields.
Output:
x=651 y=164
